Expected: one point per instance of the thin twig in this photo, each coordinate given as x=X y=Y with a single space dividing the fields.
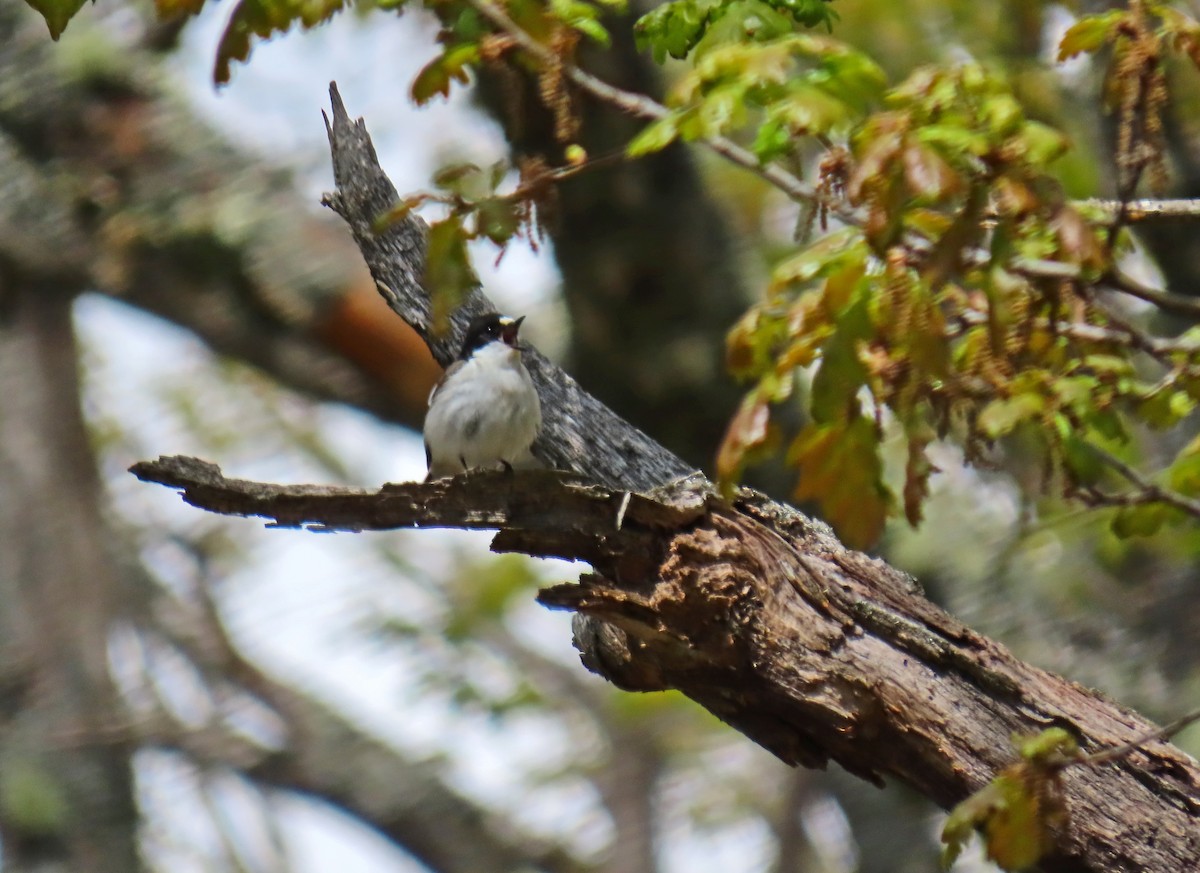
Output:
x=1035 y=268
x=1142 y=211
x=1138 y=338
x=641 y=106
x=1125 y=748
x=1176 y=304
x=1150 y=492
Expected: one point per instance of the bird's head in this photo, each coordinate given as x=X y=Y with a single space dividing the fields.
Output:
x=490 y=328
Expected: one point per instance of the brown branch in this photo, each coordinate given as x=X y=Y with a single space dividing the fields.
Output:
x=1176 y=304
x=530 y=501
x=1147 y=491
x=1145 y=211
x=1164 y=732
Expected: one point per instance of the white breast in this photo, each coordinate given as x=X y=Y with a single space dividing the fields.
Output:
x=485 y=413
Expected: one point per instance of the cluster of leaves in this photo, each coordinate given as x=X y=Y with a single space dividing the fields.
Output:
x=752 y=71
x=679 y=27
x=468 y=40
x=961 y=299
x=960 y=302
x=1139 y=36
x=922 y=309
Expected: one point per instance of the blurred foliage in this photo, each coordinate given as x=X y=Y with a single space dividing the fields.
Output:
x=1019 y=811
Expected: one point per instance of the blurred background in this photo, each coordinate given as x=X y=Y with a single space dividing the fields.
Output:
x=186 y=692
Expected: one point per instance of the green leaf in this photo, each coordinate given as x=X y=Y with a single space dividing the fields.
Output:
x=448 y=273
x=831 y=254
x=674 y=28
x=677 y=28
x=810 y=13
x=772 y=140
x=453 y=174
x=497 y=218
x=435 y=77
x=593 y=30
x=57 y=13
x=264 y=19
x=841 y=373
x=1165 y=407
x=1139 y=520
x=1081 y=460
x=1043 y=144
x=1184 y=473
x=1089 y=33
x=1049 y=747
x=1001 y=416
x=654 y=137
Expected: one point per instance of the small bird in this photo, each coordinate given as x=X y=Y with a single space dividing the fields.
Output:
x=484 y=411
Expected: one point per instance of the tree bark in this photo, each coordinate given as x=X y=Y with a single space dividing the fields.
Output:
x=66 y=797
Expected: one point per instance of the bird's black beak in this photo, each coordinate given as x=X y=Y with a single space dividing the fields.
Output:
x=509 y=331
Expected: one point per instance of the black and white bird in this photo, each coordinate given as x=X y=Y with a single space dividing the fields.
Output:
x=484 y=411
